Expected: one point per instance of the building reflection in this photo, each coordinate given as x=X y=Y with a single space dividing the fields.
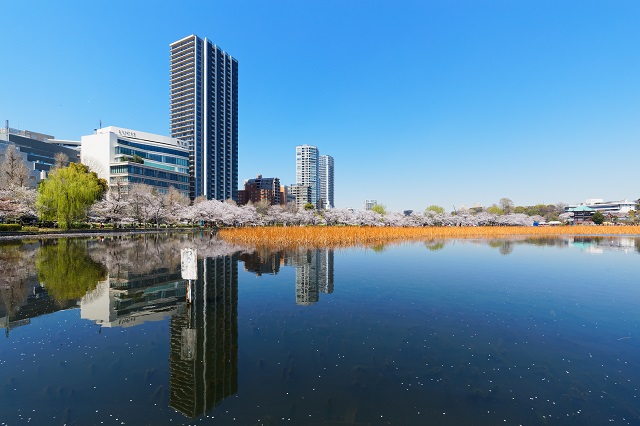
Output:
x=314 y=269
x=204 y=340
x=127 y=298
x=314 y=274
x=262 y=261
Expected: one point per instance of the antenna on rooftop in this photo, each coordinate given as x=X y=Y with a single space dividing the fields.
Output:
x=100 y=124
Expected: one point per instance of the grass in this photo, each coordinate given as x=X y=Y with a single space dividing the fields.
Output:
x=343 y=236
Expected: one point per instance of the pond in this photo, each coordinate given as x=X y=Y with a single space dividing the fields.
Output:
x=458 y=332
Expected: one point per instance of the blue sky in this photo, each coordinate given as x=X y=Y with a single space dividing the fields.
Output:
x=419 y=102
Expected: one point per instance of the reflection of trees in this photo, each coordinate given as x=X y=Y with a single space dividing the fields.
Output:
x=546 y=241
x=434 y=245
x=16 y=280
x=144 y=253
x=66 y=270
x=378 y=248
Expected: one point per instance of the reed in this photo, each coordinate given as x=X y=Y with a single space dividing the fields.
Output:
x=345 y=236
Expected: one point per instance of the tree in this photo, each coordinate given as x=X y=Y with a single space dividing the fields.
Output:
x=309 y=206
x=434 y=209
x=66 y=270
x=493 y=209
x=13 y=170
x=60 y=160
x=140 y=197
x=112 y=208
x=597 y=218
x=506 y=205
x=18 y=203
x=176 y=205
x=379 y=208
x=68 y=193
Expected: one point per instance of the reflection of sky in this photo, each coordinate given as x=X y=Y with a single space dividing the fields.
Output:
x=407 y=335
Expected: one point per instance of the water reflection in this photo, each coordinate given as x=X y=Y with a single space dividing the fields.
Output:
x=204 y=340
x=587 y=244
x=314 y=269
x=18 y=285
x=503 y=341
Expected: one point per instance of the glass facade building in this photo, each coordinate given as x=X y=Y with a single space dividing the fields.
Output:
x=124 y=157
x=204 y=114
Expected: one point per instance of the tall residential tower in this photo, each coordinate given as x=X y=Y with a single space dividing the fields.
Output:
x=307 y=170
x=326 y=181
x=204 y=113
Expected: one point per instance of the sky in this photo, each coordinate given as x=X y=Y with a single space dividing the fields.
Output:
x=453 y=103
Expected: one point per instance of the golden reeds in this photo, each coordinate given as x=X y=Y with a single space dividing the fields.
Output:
x=345 y=236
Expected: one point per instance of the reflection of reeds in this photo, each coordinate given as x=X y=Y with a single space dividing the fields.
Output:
x=343 y=236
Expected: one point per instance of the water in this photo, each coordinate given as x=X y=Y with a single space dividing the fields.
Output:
x=530 y=331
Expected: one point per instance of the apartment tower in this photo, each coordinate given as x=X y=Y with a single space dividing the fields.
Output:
x=308 y=170
x=204 y=114
x=326 y=181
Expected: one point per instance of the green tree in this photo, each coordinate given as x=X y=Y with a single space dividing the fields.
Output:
x=68 y=193
x=434 y=209
x=597 y=218
x=379 y=208
x=309 y=206
x=493 y=209
x=66 y=270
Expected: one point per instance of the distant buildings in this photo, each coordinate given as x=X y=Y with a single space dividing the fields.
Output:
x=204 y=114
x=597 y=204
x=124 y=157
x=258 y=189
x=37 y=149
x=368 y=204
x=301 y=194
x=326 y=181
x=316 y=171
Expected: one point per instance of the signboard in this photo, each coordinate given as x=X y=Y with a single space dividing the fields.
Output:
x=189 y=263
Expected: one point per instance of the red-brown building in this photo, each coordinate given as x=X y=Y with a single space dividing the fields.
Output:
x=258 y=189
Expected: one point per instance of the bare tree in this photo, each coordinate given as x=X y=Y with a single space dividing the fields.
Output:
x=506 y=205
x=13 y=170
x=60 y=160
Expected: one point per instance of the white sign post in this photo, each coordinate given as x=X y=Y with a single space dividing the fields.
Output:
x=189 y=268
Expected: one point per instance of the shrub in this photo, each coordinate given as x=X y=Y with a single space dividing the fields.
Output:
x=10 y=227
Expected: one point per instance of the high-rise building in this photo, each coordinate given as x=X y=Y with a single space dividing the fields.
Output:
x=307 y=170
x=204 y=113
x=326 y=181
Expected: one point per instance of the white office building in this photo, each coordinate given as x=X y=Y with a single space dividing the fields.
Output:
x=124 y=157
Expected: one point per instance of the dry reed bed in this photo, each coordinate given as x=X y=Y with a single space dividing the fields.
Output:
x=343 y=236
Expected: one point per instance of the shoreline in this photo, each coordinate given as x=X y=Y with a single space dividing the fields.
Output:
x=7 y=236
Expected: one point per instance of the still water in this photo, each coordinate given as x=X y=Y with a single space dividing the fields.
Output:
x=460 y=332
